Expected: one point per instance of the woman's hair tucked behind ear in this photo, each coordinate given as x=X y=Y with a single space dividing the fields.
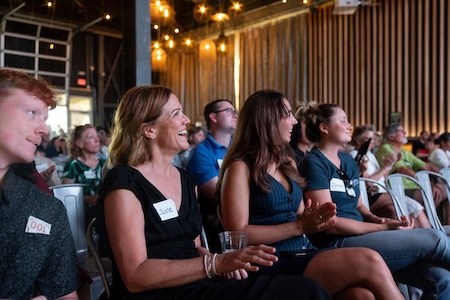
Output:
x=315 y=115
x=141 y=105
x=257 y=139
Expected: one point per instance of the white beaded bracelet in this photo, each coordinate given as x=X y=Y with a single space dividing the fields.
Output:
x=213 y=267
x=207 y=264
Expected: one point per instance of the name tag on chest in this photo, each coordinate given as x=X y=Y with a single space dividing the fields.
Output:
x=89 y=174
x=35 y=225
x=166 y=209
x=337 y=185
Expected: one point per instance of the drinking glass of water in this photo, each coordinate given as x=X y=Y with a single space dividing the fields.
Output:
x=232 y=240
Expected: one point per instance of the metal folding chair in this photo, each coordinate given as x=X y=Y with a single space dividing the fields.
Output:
x=395 y=182
x=71 y=195
x=97 y=258
x=398 y=205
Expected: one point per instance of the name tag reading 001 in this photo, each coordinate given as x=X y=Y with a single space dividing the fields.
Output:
x=166 y=209
x=35 y=225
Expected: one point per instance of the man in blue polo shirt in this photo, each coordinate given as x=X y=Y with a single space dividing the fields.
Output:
x=206 y=159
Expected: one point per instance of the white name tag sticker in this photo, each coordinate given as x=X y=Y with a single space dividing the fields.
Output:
x=89 y=174
x=166 y=209
x=219 y=163
x=35 y=225
x=337 y=185
x=42 y=167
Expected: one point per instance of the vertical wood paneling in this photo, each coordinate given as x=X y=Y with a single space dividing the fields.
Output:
x=405 y=62
x=389 y=58
x=434 y=71
x=447 y=68
x=425 y=62
x=441 y=64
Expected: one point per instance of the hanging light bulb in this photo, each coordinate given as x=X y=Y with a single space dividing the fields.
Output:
x=202 y=12
x=222 y=42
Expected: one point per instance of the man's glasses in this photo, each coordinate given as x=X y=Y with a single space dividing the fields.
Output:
x=348 y=183
x=228 y=111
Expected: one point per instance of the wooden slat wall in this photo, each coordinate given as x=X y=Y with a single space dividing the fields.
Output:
x=388 y=58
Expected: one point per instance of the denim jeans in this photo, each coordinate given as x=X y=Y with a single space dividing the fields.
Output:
x=416 y=257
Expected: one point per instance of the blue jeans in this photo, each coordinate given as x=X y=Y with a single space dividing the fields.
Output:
x=416 y=257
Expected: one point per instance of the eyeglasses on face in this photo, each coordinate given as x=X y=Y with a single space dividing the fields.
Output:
x=348 y=183
x=228 y=111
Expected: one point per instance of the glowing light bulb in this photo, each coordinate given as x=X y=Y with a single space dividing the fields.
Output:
x=207 y=46
x=236 y=6
x=49 y=3
x=158 y=3
x=156 y=45
x=177 y=30
x=202 y=9
x=188 y=42
x=107 y=16
x=171 y=44
x=156 y=27
x=222 y=47
x=166 y=13
x=166 y=37
x=51 y=46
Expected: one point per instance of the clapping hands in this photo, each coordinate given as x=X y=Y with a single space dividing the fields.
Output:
x=316 y=218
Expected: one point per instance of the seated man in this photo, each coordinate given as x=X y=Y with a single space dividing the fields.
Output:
x=206 y=160
x=409 y=164
x=38 y=253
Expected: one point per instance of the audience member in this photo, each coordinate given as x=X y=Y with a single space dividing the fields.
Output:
x=417 y=257
x=419 y=144
x=46 y=147
x=59 y=145
x=84 y=166
x=260 y=194
x=440 y=157
x=30 y=173
x=380 y=202
x=206 y=160
x=409 y=164
x=38 y=255
x=196 y=135
x=103 y=133
x=149 y=221
x=299 y=142
x=429 y=148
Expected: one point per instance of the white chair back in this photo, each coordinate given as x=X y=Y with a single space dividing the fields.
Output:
x=395 y=182
x=445 y=173
x=400 y=208
x=71 y=195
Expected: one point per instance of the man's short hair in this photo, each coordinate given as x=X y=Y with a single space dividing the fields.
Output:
x=390 y=130
x=212 y=107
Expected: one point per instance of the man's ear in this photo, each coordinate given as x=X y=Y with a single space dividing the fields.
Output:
x=212 y=117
